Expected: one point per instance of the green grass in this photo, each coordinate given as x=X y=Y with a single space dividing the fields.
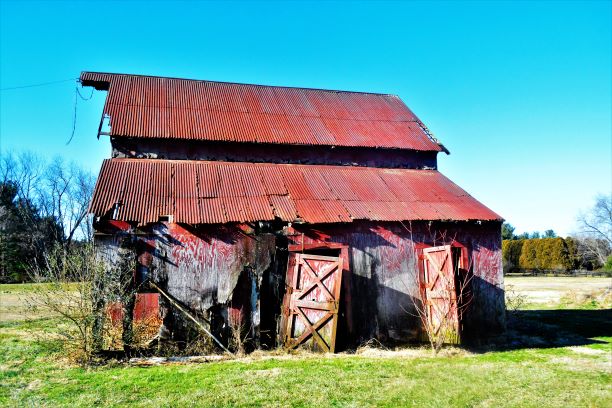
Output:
x=538 y=378
x=570 y=367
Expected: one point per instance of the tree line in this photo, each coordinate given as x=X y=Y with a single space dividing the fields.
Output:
x=43 y=203
x=589 y=248
x=540 y=254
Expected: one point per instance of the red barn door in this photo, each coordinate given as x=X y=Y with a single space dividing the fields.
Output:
x=440 y=292
x=312 y=301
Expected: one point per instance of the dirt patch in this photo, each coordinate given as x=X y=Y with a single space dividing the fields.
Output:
x=583 y=364
x=365 y=352
x=155 y=361
x=410 y=352
x=34 y=385
x=587 y=350
x=272 y=372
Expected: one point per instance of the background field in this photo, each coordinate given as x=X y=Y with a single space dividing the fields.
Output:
x=558 y=352
x=556 y=292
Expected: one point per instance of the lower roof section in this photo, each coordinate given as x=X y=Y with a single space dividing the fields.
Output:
x=211 y=192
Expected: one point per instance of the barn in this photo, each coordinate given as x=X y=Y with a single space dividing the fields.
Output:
x=299 y=217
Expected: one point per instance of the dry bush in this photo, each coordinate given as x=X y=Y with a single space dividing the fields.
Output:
x=112 y=333
x=596 y=299
x=197 y=343
x=76 y=286
x=144 y=330
x=239 y=336
x=201 y=344
x=67 y=291
x=371 y=344
x=514 y=300
x=443 y=330
x=440 y=328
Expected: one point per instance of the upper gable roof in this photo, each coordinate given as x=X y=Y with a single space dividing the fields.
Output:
x=171 y=108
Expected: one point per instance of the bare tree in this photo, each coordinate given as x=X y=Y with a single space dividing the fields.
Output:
x=595 y=235
x=55 y=190
x=41 y=204
x=24 y=170
x=24 y=233
x=64 y=194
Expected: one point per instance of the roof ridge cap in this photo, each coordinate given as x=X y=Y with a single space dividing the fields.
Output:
x=242 y=83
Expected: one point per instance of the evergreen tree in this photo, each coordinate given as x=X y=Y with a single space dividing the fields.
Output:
x=507 y=231
x=550 y=234
x=511 y=253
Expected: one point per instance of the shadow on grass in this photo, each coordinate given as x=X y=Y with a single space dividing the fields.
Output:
x=584 y=323
x=551 y=329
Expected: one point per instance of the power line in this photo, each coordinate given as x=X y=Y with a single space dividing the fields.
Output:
x=34 y=85
x=77 y=95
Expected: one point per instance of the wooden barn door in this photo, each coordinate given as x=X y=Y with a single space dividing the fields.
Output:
x=312 y=301
x=440 y=292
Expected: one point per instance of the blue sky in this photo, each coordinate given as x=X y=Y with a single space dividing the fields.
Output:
x=519 y=92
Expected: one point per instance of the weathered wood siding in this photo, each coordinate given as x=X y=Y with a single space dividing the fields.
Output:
x=216 y=271
x=383 y=285
x=232 y=274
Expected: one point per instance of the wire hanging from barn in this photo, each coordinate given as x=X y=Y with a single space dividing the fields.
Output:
x=77 y=95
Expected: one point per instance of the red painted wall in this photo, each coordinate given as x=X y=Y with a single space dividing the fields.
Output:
x=383 y=259
x=225 y=270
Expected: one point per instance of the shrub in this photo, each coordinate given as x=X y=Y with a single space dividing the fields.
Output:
x=77 y=287
x=511 y=252
x=546 y=254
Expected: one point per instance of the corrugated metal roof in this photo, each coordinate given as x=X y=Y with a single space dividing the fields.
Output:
x=156 y=107
x=201 y=192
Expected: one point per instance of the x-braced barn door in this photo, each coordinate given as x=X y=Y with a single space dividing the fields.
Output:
x=314 y=296
x=440 y=293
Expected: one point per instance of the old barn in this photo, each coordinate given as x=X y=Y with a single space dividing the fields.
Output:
x=302 y=217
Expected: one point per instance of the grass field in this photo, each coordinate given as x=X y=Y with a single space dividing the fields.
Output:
x=559 y=354
x=559 y=292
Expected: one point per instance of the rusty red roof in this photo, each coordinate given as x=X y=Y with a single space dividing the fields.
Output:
x=201 y=192
x=158 y=107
